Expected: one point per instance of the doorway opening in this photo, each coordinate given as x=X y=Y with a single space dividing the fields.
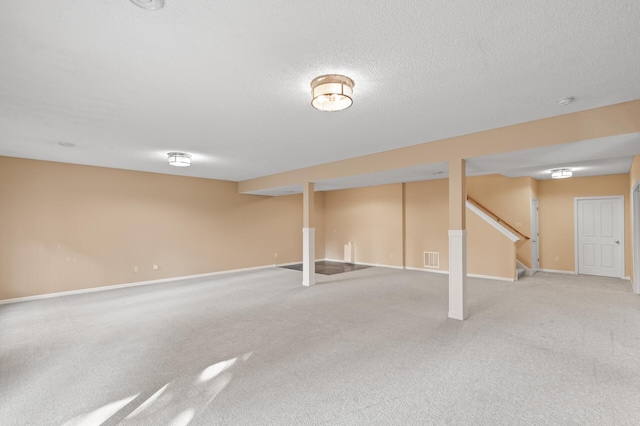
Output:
x=535 y=238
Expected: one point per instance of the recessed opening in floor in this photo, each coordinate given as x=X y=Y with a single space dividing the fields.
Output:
x=326 y=267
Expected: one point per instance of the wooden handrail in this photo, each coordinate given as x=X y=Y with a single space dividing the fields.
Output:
x=496 y=218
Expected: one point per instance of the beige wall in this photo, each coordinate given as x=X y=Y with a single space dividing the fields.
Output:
x=509 y=199
x=489 y=252
x=556 y=216
x=68 y=227
x=371 y=218
x=533 y=187
x=427 y=221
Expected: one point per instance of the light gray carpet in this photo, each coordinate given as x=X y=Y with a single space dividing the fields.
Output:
x=362 y=348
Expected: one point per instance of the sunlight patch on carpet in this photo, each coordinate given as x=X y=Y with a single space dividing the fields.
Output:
x=101 y=414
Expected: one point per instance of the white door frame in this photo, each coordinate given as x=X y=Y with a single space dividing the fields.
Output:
x=536 y=237
x=620 y=199
x=635 y=209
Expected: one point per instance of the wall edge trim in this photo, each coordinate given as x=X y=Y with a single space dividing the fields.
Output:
x=132 y=284
x=435 y=271
x=379 y=265
x=491 y=277
x=559 y=271
x=486 y=277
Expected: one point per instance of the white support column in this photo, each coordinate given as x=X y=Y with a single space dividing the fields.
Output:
x=308 y=236
x=457 y=240
x=458 y=274
x=308 y=256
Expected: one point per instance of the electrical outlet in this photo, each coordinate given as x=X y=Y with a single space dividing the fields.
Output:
x=557 y=259
x=518 y=224
x=391 y=255
x=135 y=269
x=155 y=267
x=275 y=254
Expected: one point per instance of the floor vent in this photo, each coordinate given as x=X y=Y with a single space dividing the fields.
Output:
x=432 y=259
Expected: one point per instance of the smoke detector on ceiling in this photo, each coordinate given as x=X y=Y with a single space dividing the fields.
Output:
x=149 y=4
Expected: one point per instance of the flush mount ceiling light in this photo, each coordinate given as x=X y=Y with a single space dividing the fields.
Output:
x=179 y=159
x=561 y=173
x=332 y=92
x=149 y=4
x=67 y=144
x=566 y=101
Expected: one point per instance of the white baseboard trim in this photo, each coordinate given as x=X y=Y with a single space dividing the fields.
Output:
x=558 y=271
x=491 y=277
x=380 y=265
x=437 y=271
x=127 y=285
x=277 y=265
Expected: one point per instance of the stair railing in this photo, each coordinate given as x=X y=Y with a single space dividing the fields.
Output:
x=497 y=218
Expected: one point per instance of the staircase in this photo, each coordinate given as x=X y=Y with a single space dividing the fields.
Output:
x=497 y=218
x=521 y=269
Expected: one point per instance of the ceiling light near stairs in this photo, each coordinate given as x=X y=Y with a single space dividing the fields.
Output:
x=179 y=159
x=561 y=173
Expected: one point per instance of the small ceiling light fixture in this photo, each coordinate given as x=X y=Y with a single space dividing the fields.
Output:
x=149 y=4
x=67 y=144
x=561 y=173
x=566 y=101
x=179 y=159
x=332 y=92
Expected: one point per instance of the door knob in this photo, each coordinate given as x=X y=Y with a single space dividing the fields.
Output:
x=617 y=242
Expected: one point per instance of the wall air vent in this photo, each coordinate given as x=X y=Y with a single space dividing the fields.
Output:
x=432 y=259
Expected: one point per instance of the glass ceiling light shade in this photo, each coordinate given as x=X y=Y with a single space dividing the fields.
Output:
x=561 y=173
x=179 y=159
x=332 y=92
x=149 y=4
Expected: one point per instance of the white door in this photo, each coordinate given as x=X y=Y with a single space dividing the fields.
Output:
x=535 y=235
x=600 y=224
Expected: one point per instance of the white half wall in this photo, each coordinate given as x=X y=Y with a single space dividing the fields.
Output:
x=308 y=256
x=457 y=274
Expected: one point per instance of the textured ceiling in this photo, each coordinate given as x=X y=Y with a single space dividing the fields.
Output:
x=228 y=81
